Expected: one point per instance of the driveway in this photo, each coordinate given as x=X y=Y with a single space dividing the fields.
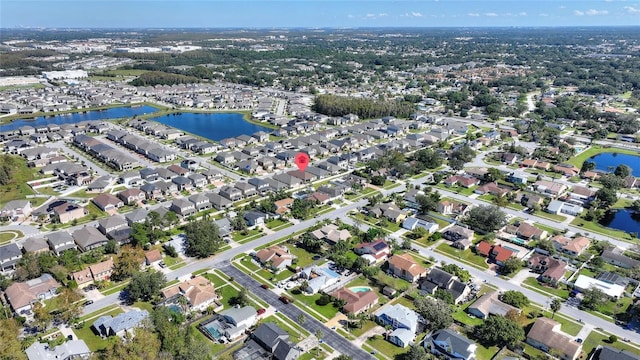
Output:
x=291 y=311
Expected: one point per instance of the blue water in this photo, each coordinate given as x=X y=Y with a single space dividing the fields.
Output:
x=609 y=161
x=212 y=329
x=113 y=113
x=623 y=219
x=213 y=126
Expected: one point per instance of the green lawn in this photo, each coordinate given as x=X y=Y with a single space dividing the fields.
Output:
x=486 y=353
x=143 y=305
x=385 y=347
x=597 y=228
x=457 y=189
x=251 y=234
x=554 y=217
x=7 y=236
x=366 y=326
x=467 y=255
x=595 y=338
x=247 y=262
x=548 y=229
x=305 y=258
x=535 y=285
x=278 y=223
x=226 y=292
x=328 y=311
x=114 y=288
x=293 y=333
x=595 y=150
x=215 y=280
x=17 y=189
x=282 y=275
x=395 y=283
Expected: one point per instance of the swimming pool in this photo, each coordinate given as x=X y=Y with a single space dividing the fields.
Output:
x=515 y=251
x=213 y=328
x=360 y=289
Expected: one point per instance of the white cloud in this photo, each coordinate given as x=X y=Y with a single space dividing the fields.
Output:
x=383 y=14
x=543 y=14
x=562 y=7
x=578 y=13
x=491 y=14
x=632 y=10
x=416 y=14
x=593 y=12
x=350 y=16
x=370 y=15
x=473 y=14
x=522 y=14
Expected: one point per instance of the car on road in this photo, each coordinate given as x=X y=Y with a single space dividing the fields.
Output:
x=264 y=286
x=579 y=340
x=88 y=302
x=261 y=311
x=285 y=299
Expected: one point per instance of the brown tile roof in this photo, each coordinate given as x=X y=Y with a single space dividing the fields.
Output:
x=152 y=256
x=483 y=248
x=356 y=301
x=407 y=263
x=21 y=294
x=101 y=267
x=547 y=331
x=500 y=253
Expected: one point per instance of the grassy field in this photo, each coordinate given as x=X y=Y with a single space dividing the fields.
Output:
x=467 y=256
x=597 y=228
x=385 y=347
x=554 y=217
x=328 y=311
x=595 y=150
x=596 y=338
x=17 y=189
x=276 y=223
x=533 y=283
x=7 y=236
x=215 y=279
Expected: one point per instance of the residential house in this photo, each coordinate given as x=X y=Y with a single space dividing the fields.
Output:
x=116 y=228
x=545 y=335
x=405 y=267
x=254 y=218
x=447 y=207
x=69 y=350
x=574 y=247
x=613 y=291
x=319 y=278
x=410 y=198
x=464 y=181
x=123 y=323
x=615 y=256
x=448 y=344
x=491 y=188
x=107 y=202
x=388 y=210
x=88 y=238
x=398 y=317
x=526 y=231
x=152 y=257
x=268 y=341
x=558 y=207
x=460 y=236
x=356 y=302
x=10 y=254
x=60 y=241
x=35 y=245
x=611 y=353
x=283 y=206
x=16 y=210
x=218 y=202
x=275 y=257
x=331 y=234
x=132 y=196
x=68 y=212
x=198 y=180
x=82 y=277
x=102 y=270
x=495 y=253
x=246 y=189
x=411 y=223
x=550 y=188
x=238 y=320
x=183 y=207
x=137 y=216
x=198 y=292
x=490 y=304
x=551 y=270
x=231 y=193
x=373 y=252
x=440 y=279
x=22 y=295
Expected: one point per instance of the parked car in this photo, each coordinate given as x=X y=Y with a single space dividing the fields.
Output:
x=88 y=302
x=162 y=264
x=264 y=286
x=261 y=311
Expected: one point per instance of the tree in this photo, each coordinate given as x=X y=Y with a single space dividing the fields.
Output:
x=486 y=218
x=139 y=234
x=592 y=298
x=444 y=295
x=127 y=262
x=494 y=174
x=612 y=339
x=142 y=345
x=301 y=321
x=11 y=348
x=428 y=202
x=241 y=299
x=500 y=331
x=514 y=298
x=511 y=265
x=500 y=200
x=111 y=247
x=416 y=353
x=437 y=312
x=555 y=306
x=202 y=238
x=622 y=171
x=456 y=270
x=69 y=304
x=41 y=316
x=145 y=285
x=319 y=335
x=607 y=197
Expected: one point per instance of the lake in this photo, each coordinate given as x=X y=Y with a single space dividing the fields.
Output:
x=622 y=219
x=213 y=126
x=609 y=161
x=113 y=113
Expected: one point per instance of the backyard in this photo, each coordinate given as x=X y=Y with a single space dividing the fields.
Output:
x=467 y=255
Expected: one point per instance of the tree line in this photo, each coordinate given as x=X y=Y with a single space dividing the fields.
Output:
x=333 y=105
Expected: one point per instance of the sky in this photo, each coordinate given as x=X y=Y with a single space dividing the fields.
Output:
x=315 y=13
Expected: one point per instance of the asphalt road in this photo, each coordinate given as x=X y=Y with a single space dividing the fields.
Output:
x=337 y=342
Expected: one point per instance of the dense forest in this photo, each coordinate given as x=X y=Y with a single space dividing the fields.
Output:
x=162 y=78
x=365 y=108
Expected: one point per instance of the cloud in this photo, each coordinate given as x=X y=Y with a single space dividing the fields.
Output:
x=522 y=14
x=543 y=14
x=416 y=14
x=383 y=14
x=370 y=15
x=491 y=14
x=590 y=12
x=473 y=14
x=632 y=10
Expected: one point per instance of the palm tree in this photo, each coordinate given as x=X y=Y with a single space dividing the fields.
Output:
x=555 y=306
x=319 y=335
x=301 y=321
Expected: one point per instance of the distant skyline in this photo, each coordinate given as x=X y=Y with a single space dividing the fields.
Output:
x=315 y=13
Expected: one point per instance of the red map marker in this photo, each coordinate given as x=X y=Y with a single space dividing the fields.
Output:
x=302 y=160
